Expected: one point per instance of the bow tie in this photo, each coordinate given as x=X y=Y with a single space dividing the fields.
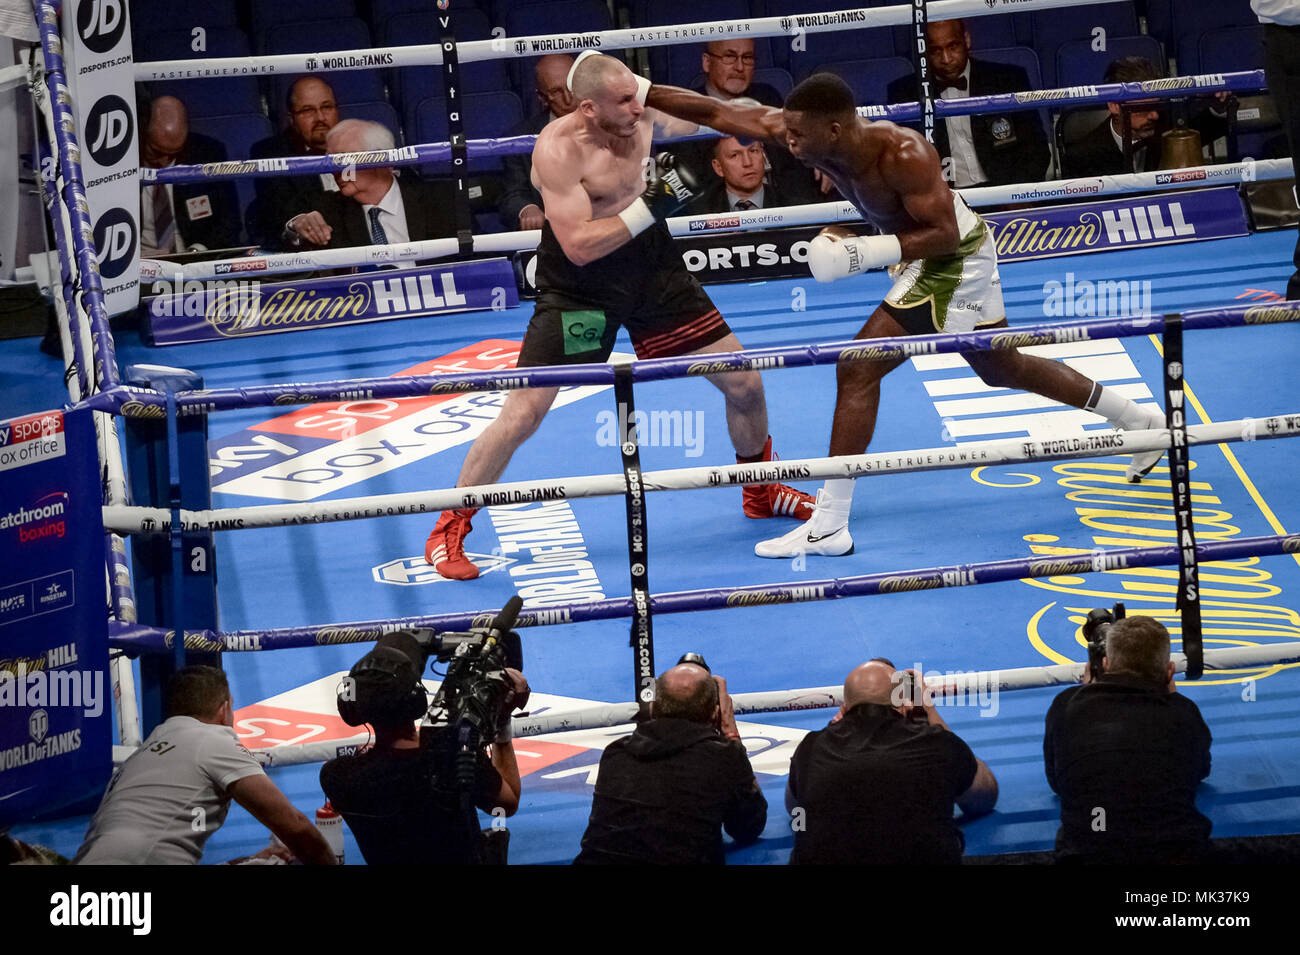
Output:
x=958 y=84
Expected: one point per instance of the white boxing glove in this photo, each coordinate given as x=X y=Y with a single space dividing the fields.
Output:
x=831 y=259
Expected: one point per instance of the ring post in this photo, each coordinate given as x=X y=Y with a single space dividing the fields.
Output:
x=160 y=596
x=1180 y=483
x=638 y=551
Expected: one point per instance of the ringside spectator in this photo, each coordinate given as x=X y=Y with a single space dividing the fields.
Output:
x=985 y=149
x=374 y=206
x=190 y=216
x=737 y=182
x=520 y=205
x=311 y=111
x=1101 y=152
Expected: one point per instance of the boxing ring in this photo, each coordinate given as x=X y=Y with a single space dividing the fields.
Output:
x=658 y=565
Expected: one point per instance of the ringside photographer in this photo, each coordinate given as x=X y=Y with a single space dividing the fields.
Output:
x=412 y=798
x=1125 y=751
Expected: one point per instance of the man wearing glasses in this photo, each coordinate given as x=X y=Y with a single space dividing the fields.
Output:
x=312 y=112
x=728 y=67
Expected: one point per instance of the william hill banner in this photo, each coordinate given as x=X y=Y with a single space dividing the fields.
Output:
x=1118 y=224
x=239 y=308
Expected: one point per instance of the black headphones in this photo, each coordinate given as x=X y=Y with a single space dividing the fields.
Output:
x=384 y=686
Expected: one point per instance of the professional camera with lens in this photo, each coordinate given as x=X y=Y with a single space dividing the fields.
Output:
x=1095 y=629
x=385 y=688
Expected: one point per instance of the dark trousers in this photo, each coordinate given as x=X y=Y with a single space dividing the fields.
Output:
x=1282 y=70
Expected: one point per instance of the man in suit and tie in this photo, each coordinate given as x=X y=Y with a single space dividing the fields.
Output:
x=312 y=113
x=183 y=217
x=520 y=205
x=738 y=183
x=1101 y=152
x=373 y=206
x=988 y=149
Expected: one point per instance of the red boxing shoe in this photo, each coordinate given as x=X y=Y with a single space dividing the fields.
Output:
x=445 y=548
x=774 y=500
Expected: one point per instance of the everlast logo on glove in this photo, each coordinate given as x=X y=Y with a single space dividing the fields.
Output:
x=676 y=186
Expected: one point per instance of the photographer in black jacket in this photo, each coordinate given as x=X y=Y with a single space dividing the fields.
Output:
x=1125 y=751
x=664 y=794
x=400 y=798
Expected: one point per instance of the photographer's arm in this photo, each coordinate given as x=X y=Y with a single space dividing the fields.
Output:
x=503 y=761
x=983 y=793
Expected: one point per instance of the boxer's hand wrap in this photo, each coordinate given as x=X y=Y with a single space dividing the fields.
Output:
x=671 y=188
x=831 y=259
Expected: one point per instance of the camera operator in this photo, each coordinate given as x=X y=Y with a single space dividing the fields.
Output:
x=402 y=799
x=878 y=785
x=664 y=794
x=1125 y=752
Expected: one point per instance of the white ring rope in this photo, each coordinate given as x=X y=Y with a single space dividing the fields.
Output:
x=431 y=54
x=137 y=520
x=1195 y=177
x=955 y=689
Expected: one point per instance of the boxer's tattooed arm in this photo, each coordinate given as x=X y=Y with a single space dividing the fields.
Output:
x=747 y=122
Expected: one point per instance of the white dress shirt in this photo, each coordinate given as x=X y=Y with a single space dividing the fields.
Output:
x=1139 y=152
x=756 y=199
x=961 y=143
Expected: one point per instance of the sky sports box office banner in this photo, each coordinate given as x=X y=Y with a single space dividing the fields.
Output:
x=1217 y=213
x=241 y=306
x=55 y=696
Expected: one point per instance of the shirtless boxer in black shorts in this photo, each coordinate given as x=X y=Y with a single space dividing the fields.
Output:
x=606 y=261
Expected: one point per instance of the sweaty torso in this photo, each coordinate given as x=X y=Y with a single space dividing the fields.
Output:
x=863 y=182
x=612 y=173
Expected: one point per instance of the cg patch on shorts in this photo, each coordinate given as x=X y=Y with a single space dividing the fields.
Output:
x=582 y=331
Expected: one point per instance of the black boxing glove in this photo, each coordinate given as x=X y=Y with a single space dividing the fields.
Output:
x=671 y=188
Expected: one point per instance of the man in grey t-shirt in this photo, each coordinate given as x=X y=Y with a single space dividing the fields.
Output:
x=175 y=790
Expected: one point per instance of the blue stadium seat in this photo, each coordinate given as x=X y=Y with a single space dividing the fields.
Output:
x=1052 y=28
x=1078 y=64
x=237 y=133
x=1021 y=56
x=179 y=45
x=870 y=78
x=563 y=16
x=654 y=13
x=992 y=32
x=1194 y=20
x=212 y=97
x=1231 y=50
x=679 y=62
x=350 y=86
x=822 y=48
x=272 y=13
x=1160 y=21
x=411 y=84
x=156 y=16
x=486 y=116
x=381 y=11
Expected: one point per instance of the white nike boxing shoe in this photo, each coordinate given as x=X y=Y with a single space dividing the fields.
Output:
x=1140 y=465
x=826 y=534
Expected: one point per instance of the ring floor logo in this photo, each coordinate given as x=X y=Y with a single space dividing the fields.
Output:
x=324 y=447
x=101 y=23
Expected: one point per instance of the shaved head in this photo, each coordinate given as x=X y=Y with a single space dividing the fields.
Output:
x=595 y=74
x=552 y=74
x=167 y=131
x=869 y=683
